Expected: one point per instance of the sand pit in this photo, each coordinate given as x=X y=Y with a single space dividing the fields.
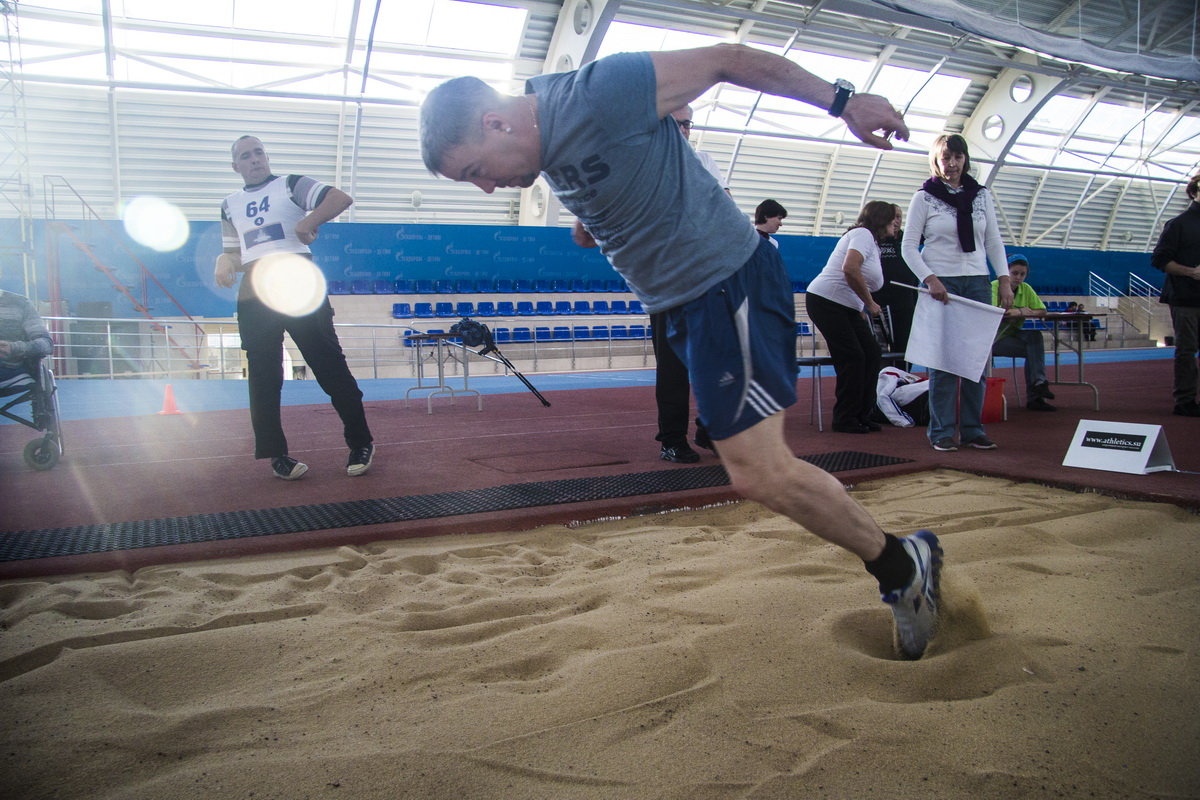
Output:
x=700 y=655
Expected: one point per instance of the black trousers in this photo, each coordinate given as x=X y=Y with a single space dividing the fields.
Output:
x=855 y=354
x=672 y=389
x=901 y=304
x=262 y=338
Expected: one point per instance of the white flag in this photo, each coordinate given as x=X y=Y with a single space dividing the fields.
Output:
x=955 y=337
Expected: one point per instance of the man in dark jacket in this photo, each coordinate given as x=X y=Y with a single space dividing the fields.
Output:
x=1178 y=254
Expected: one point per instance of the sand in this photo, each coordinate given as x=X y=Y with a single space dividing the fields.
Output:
x=708 y=654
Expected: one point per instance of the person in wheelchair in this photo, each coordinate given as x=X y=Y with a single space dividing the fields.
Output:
x=23 y=339
x=24 y=342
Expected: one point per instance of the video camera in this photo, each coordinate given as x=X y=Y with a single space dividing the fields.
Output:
x=474 y=334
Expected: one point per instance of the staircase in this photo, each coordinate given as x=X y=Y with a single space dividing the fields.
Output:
x=58 y=189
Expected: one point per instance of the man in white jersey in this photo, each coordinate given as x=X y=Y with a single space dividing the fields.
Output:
x=276 y=217
x=603 y=139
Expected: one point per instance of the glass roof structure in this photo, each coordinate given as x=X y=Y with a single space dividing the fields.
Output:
x=124 y=98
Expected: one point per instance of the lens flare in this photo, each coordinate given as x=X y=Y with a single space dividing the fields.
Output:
x=155 y=223
x=289 y=284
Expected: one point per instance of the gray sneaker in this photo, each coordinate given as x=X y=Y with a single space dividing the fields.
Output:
x=915 y=607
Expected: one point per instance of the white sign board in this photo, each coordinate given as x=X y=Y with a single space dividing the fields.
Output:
x=1119 y=447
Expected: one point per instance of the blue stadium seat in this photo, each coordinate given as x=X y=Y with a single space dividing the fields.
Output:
x=337 y=287
x=541 y=286
x=581 y=332
x=401 y=311
x=579 y=285
x=562 y=308
x=635 y=307
x=485 y=286
x=597 y=285
x=618 y=307
x=504 y=286
x=361 y=287
x=599 y=306
x=443 y=310
x=505 y=308
x=637 y=331
x=383 y=287
x=581 y=307
x=485 y=308
x=803 y=329
x=560 y=286
x=424 y=287
x=464 y=308
x=402 y=286
x=502 y=335
x=521 y=335
x=422 y=310
x=617 y=285
x=521 y=286
x=599 y=331
x=618 y=332
x=542 y=333
x=544 y=308
x=524 y=308
x=562 y=332
x=464 y=286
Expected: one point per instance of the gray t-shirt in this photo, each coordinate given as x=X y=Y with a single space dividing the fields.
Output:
x=663 y=221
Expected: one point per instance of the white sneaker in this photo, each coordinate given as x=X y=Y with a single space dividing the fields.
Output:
x=915 y=607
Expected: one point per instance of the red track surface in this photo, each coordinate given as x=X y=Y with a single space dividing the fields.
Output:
x=134 y=468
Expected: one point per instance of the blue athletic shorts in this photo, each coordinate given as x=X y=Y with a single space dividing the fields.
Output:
x=738 y=341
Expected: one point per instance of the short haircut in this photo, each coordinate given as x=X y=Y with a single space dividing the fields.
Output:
x=767 y=209
x=953 y=142
x=450 y=116
x=238 y=140
x=1193 y=187
x=875 y=216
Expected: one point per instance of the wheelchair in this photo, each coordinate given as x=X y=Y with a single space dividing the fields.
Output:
x=41 y=392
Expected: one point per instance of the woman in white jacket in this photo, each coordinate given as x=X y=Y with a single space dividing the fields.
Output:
x=955 y=216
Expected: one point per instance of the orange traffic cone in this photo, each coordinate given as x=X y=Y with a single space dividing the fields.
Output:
x=169 y=406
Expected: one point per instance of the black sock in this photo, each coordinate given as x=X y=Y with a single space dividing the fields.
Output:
x=894 y=568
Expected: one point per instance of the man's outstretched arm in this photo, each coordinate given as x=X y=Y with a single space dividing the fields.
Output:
x=684 y=75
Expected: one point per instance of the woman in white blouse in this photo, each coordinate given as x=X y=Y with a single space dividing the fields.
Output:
x=955 y=216
x=838 y=302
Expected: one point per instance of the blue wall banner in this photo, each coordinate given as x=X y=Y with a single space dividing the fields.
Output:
x=380 y=251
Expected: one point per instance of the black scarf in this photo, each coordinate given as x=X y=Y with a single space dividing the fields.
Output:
x=961 y=202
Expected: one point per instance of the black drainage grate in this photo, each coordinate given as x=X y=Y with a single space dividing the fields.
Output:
x=109 y=537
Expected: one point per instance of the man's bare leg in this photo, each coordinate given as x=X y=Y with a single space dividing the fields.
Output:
x=763 y=468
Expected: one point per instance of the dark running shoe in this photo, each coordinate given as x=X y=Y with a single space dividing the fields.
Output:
x=704 y=440
x=915 y=607
x=680 y=454
x=946 y=445
x=981 y=443
x=287 y=468
x=1191 y=409
x=1041 y=390
x=360 y=460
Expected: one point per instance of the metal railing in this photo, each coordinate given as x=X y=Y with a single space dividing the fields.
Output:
x=132 y=348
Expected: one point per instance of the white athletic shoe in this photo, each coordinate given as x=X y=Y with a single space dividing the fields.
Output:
x=915 y=607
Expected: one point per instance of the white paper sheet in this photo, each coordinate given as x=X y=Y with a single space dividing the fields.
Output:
x=954 y=337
